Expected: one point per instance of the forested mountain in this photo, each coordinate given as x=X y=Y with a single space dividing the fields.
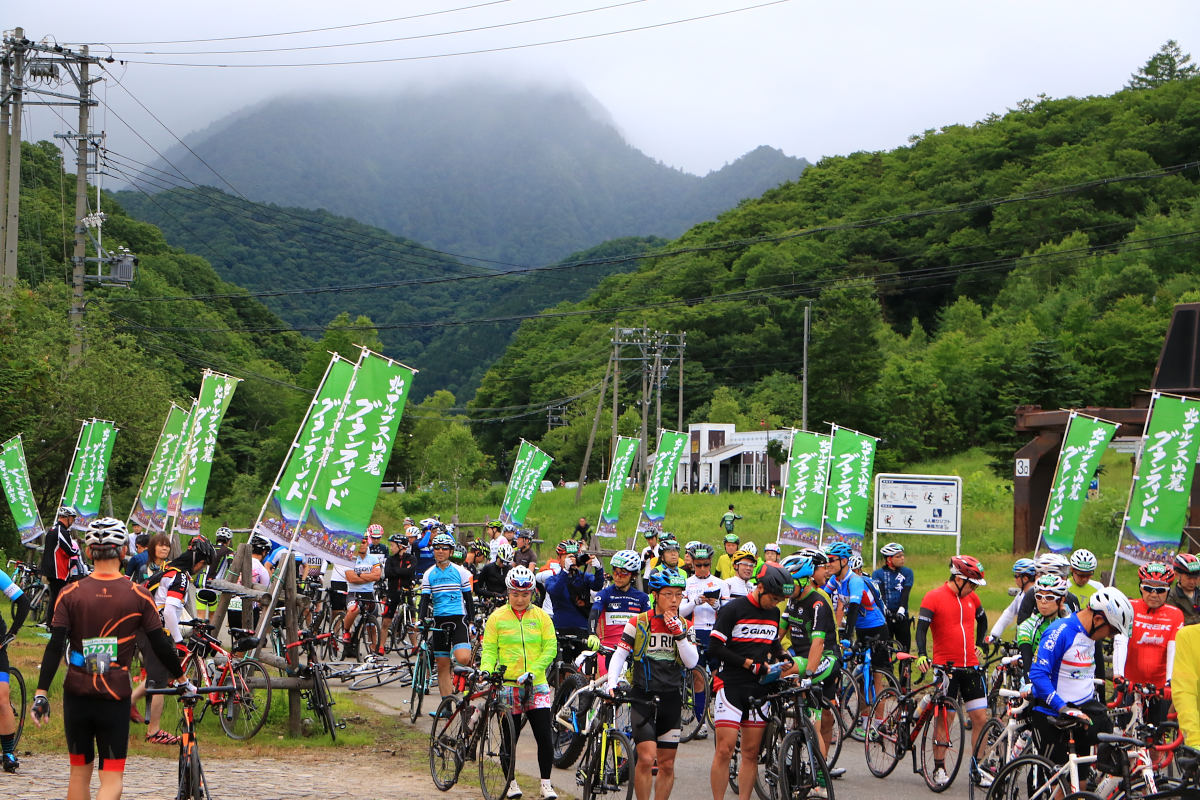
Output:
x=520 y=175
x=1032 y=257
x=429 y=309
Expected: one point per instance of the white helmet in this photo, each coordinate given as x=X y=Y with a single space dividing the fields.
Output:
x=1083 y=560
x=856 y=563
x=1052 y=562
x=750 y=547
x=1115 y=607
x=891 y=549
x=628 y=560
x=520 y=579
x=106 y=531
x=504 y=552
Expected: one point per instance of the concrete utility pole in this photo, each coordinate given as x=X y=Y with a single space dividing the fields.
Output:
x=14 y=74
x=80 y=253
x=587 y=453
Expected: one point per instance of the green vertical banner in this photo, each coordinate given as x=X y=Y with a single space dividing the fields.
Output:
x=158 y=469
x=281 y=512
x=610 y=510
x=1083 y=445
x=523 y=482
x=1158 y=501
x=172 y=464
x=89 y=469
x=848 y=497
x=671 y=445
x=14 y=475
x=216 y=391
x=803 y=504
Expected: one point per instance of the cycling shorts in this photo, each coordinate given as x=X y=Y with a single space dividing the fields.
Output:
x=4 y=665
x=454 y=639
x=96 y=725
x=207 y=598
x=878 y=640
x=968 y=686
x=362 y=601
x=732 y=708
x=337 y=595
x=390 y=603
x=656 y=718
x=521 y=699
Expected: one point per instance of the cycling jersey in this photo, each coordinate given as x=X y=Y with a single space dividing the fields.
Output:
x=425 y=552
x=1148 y=654
x=524 y=643
x=810 y=617
x=494 y=546
x=744 y=630
x=703 y=614
x=656 y=652
x=737 y=587
x=615 y=608
x=953 y=620
x=894 y=586
x=60 y=558
x=723 y=568
x=854 y=591
x=1064 y=667
x=363 y=565
x=445 y=588
x=1029 y=636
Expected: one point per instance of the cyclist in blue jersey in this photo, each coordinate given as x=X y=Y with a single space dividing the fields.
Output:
x=8 y=723
x=429 y=529
x=570 y=592
x=862 y=618
x=446 y=592
x=895 y=582
x=617 y=603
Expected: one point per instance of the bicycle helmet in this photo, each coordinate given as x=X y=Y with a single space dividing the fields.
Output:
x=751 y=548
x=1051 y=584
x=816 y=554
x=480 y=546
x=504 y=553
x=856 y=563
x=1156 y=573
x=448 y=528
x=510 y=528
x=412 y=530
x=732 y=538
x=1053 y=562
x=259 y=544
x=667 y=536
x=668 y=544
x=1187 y=563
x=442 y=540
x=968 y=567
x=105 y=531
x=666 y=577
x=775 y=581
x=1083 y=560
x=628 y=560
x=687 y=548
x=459 y=554
x=69 y=511
x=650 y=533
x=203 y=549
x=375 y=531
x=891 y=549
x=224 y=535
x=519 y=579
x=771 y=547
x=1115 y=607
x=702 y=551
x=524 y=534
x=398 y=538
x=567 y=547
x=839 y=550
x=1024 y=566
x=798 y=566
x=743 y=554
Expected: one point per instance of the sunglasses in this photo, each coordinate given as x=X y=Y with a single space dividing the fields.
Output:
x=442 y=547
x=699 y=564
x=1154 y=589
x=1049 y=598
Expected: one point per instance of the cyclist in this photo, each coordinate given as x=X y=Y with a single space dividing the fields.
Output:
x=743 y=571
x=429 y=529
x=489 y=584
x=8 y=723
x=1083 y=567
x=702 y=597
x=724 y=567
x=1147 y=655
x=375 y=536
x=809 y=618
x=745 y=636
x=398 y=572
x=570 y=592
x=1049 y=591
x=94 y=625
x=658 y=642
x=360 y=582
x=1053 y=563
x=1186 y=695
x=668 y=556
x=446 y=592
x=1064 y=670
x=618 y=602
x=955 y=614
x=895 y=582
x=138 y=560
x=728 y=518
x=771 y=553
x=1024 y=575
x=206 y=599
x=650 y=551
x=520 y=636
x=524 y=555
x=61 y=561
x=862 y=616
x=1184 y=594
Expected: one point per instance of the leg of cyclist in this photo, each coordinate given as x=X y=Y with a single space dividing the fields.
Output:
x=752 y=735
x=348 y=620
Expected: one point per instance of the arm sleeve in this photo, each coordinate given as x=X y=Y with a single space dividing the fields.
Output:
x=719 y=636
x=908 y=585
x=593 y=618
x=54 y=655
x=851 y=618
x=1040 y=672
x=688 y=653
x=980 y=624
x=923 y=619
x=170 y=615
x=19 y=614
x=1006 y=617
x=1120 y=654
x=469 y=604
x=423 y=606
x=688 y=606
x=1170 y=659
x=1026 y=650
x=616 y=666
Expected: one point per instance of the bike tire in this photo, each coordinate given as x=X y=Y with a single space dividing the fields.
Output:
x=367 y=640
x=884 y=743
x=801 y=766
x=989 y=757
x=850 y=703
x=244 y=712
x=420 y=677
x=766 y=779
x=569 y=741
x=322 y=704
x=945 y=711
x=329 y=649
x=1025 y=777
x=837 y=737
x=610 y=772
x=380 y=677
x=199 y=785
x=496 y=763
x=690 y=722
x=446 y=737
x=19 y=701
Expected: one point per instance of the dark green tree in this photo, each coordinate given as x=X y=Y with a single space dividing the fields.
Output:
x=1170 y=63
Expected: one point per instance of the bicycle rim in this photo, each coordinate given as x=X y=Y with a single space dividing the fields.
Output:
x=18 y=700
x=766 y=779
x=243 y=712
x=988 y=758
x=690 y=721
x=837 y=736
x=568 y=741
x=850 y=703
x=1028 y=778
x=942 y=731
x=885 y=734
x=801 y=767
x=494 y=758
x=322 y=704
x=367 y=640
x=199 y=784
x=445 y=761
x=419 y=678
x=610 y=766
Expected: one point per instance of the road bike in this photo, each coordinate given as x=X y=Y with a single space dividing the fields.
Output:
x=861 y=683
x=784 y=710
x=607 y=764
x=422 y=668
x=475 y=726
x=17 y=698
x=191 y=784
x=1002 y=740
x=1005 y=672
x=28 y=577
x=317 y=697
x=243 y=711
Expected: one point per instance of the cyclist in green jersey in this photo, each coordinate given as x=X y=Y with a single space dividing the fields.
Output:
x=1049 y=591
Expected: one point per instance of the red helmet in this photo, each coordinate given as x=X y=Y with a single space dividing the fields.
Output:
x=1187 y=562
x=1156 y=572
x=968 y=567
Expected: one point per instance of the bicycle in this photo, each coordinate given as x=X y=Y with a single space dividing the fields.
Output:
x=17 y=698
x=1005 y=673
x=404 y=617
x=801 y=767
x=317 y=698
x=243 y=711
x=1001 y=741
x=609 y=756
x=474 y=726
x=422 y=669
x=860 y=698
x=787 y=713
x=192 y=784
x=364 y=632
x=28 y=577
x=900 y=724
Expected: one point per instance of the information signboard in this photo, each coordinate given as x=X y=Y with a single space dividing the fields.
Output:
x=922 y=504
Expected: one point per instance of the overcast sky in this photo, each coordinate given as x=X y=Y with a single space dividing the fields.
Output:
x=812 y=79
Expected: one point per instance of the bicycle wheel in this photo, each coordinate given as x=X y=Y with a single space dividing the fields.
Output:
x=711 y=694
x=801 y=767
x=367 y=641
x=766 y=780
x=850 y=703
x=609 y=765
x=695 y=684
x=243 y=712
x=199 y=786
x=420 y=677
x=886 y=730
x=568 y=736
x=496 y=764
x=322 y=704
x=376 y=678
x=330 y=649
x=837 y=735
x=988 y=758
x=19 y=701
x=1029 y=778
x=446 y=736
x=942 y=733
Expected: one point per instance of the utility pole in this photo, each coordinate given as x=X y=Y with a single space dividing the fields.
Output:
x=644 y=461
x=804 y=373
x=587 y=453
x=615 y=358
x=682 y=339
x=77 y=257
x=14 y=72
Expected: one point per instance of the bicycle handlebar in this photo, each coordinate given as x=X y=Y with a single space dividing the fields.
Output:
x=183 y=691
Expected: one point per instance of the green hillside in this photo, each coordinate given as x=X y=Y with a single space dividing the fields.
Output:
x=1031 y=257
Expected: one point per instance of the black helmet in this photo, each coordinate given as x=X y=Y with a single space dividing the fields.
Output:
x=203 y=549
x=775 y=581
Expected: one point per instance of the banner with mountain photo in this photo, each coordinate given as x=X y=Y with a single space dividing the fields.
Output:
x=346 y=486
x=89 y=470
x=158 y=470
x=527 y=473
x=14 y=475
x=281 y=512
x=172 y=464
x=671 y=445
x=618 y=473
x=216 y=392
x=804 y=482
x=848 y=496
x=1158 y=499
x=1083 y=445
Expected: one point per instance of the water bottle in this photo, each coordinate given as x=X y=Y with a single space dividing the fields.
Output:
x=1019 y=745
x=926 y=699
x=1108 y=787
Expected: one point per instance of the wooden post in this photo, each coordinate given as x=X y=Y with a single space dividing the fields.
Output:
x=292 y=616
x=223 y=603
